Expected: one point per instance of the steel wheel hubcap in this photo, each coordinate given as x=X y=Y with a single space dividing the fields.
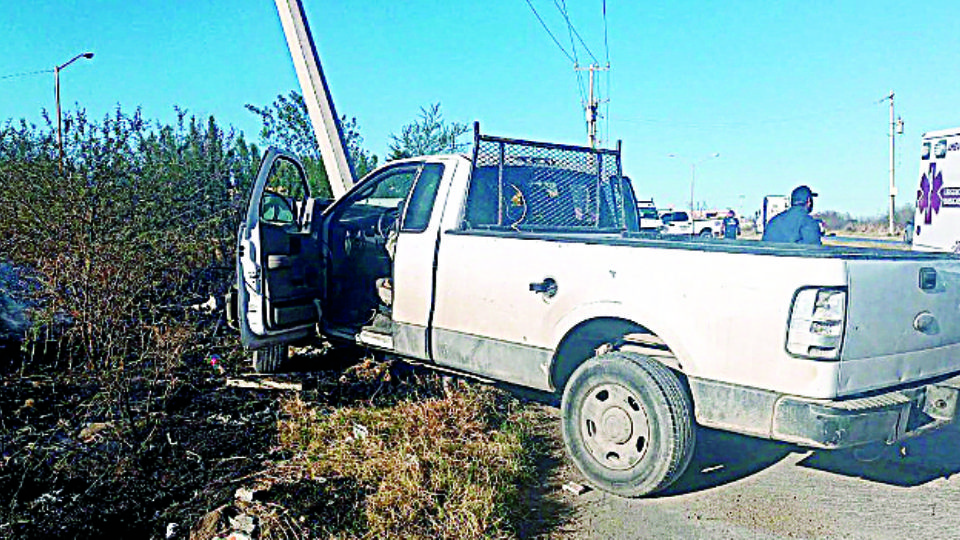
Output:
x=614 y=426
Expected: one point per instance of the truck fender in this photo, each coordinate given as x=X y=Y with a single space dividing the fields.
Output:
x=577 y=334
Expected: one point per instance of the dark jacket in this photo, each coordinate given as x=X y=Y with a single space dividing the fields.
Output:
x=793 y=226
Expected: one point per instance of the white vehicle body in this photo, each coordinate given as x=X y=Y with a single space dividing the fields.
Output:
x=507 y=272
x=937 y=219
x=678 y=223
x=772 y=205
x=524 y=264
x=649 y=216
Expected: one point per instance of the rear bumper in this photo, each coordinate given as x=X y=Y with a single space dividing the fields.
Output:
x=885 y=417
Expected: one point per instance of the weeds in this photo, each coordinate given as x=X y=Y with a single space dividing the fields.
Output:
x=451 y=466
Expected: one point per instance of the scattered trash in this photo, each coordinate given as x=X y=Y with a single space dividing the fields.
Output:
x=211 y=305
x=244 y=494
x=360 y=431
x=28 y=404
x=243 y=523
x=89 y=433
x=575 y=488
x=214 y=360
x=171 y=530
x=265 y=384
x=249 y=494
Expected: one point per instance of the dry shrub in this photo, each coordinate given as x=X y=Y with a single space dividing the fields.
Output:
x=451 y=467
x=137 y=223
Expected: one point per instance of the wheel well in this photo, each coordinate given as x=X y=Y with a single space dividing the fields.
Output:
x=581 y=343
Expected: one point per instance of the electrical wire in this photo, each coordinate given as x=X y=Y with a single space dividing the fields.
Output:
x=544 y=25
x=576 y=60
x=563 y=12
x=26 y=74
x=606 y=43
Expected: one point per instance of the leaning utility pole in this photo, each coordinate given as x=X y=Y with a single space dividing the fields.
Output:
x=592 y=104
x=316 y=95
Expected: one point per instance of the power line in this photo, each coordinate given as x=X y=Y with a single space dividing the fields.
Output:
x=606 y=44
x=544 y=25
x=573 y=48
x=26 y=74
x=563 y=12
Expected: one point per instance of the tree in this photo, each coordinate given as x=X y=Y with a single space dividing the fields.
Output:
x=286 y=124
x=429 y=135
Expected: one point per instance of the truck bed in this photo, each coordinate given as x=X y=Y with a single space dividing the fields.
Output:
x=714 y=245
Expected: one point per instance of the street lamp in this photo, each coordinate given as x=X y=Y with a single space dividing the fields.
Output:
x=56 y=75
x=693 y=176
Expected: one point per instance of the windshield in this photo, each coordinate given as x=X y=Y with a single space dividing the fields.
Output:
x=674 y=216
x=648 y=212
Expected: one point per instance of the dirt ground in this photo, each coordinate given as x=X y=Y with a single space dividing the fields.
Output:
x=208 y=455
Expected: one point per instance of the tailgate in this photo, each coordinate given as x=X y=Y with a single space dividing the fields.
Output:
x=903 y=322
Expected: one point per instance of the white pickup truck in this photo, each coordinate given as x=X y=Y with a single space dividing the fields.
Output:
x=520 y=264
x=678 y=223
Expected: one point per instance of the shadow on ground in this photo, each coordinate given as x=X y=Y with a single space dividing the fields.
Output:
x=721 y=458
x=909 y=463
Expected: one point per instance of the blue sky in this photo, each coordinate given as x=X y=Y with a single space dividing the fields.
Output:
x=786 y=92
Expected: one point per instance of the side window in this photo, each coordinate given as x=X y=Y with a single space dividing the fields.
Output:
x=381 y=194
x=542 y=198
x=284 y=194
x=422 y=199
x=631 y=212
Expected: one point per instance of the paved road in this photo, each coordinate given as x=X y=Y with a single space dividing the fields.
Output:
x=739 y=487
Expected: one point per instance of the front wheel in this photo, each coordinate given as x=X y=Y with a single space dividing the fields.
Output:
x=628 y=423
x=270 y=359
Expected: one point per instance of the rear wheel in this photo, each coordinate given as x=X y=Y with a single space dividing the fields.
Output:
x=628 y=423
x=270 y=359
x=706 y=233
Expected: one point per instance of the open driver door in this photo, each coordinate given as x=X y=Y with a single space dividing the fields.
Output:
x=280 y=273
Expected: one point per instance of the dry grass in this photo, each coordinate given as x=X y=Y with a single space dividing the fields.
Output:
x=452 y=466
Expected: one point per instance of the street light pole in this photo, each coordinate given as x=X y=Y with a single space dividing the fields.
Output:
x=56 y=76
x=693 y=177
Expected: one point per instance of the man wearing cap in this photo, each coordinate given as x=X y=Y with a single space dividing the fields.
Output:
x=795 y=225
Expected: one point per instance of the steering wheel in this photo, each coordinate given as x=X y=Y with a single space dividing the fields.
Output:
x=387 y=221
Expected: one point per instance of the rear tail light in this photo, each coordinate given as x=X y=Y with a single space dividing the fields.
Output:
x=815 y=328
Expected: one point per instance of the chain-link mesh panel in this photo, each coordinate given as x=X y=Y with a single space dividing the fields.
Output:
x=525 y=185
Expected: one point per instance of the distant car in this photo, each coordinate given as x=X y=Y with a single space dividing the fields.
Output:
x=678 y=223
x=650 y=219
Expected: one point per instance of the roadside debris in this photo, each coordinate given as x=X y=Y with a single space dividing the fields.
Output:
x=575 y=488
x=265 y=384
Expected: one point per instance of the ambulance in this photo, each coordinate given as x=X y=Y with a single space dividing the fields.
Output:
x=936 y=220
x=772 y=205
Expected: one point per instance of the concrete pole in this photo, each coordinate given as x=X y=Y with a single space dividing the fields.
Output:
x=893 y=186
x=316 y=95
x=592 y=104
x=592 y=114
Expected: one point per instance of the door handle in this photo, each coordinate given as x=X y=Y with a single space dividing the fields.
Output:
x=547 y=287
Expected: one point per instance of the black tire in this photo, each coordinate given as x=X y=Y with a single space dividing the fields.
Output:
x=706 y=233
x=270 y=359
x=628 y=423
